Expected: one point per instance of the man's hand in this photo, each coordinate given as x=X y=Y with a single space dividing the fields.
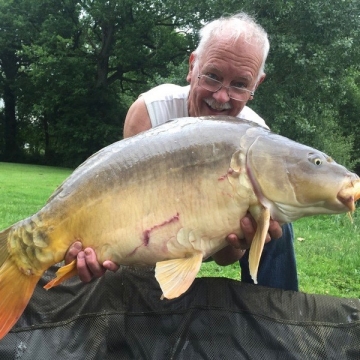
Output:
x=237 y=247
x=86 y=262
x=248 y=227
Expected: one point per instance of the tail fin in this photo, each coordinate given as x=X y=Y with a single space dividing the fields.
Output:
x=16 y=288
x=3 y=246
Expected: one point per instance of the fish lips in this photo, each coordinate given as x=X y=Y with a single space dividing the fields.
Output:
x=350 y=194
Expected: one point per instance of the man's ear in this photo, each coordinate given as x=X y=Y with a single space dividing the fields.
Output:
x=191 y=67
x=262 y=78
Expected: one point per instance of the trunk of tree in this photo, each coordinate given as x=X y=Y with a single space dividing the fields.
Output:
x=47 y=154
x=103 y=57
x=9 y=66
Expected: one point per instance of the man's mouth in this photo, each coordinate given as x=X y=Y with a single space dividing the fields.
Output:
x=217 y=107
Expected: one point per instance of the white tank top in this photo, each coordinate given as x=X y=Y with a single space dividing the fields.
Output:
x=169 y=101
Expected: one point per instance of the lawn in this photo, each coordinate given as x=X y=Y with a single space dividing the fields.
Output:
x=24 y=189
x=327 y=255
x=327 y=247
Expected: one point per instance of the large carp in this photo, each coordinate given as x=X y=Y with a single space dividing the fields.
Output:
x=169 y=196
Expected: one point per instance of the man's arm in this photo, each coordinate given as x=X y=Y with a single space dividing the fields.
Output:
x=137 y=119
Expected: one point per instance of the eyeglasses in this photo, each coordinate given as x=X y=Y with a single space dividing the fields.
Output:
x=234 y=92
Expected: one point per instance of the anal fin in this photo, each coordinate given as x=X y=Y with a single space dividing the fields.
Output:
x=176 y=276
x=64 y=273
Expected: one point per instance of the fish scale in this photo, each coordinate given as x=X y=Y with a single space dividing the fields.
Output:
x=169 y=197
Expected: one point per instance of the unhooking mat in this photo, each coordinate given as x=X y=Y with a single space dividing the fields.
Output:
x=121 y=316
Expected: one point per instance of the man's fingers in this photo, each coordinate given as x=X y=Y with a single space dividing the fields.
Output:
x=237 y=243
x=88 y=266
x=92 y=263
x=228 y=255
x=275 y=229
x=109 y=265
x=83 y=271
x=72 y=252
x=248 y=227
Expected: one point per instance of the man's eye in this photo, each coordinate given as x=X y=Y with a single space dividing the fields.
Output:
x=239 y=85
x=212 y=76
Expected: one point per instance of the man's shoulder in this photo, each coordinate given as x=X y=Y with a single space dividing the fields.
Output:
x=166 y=102
x=249 y=114
x=166 y=92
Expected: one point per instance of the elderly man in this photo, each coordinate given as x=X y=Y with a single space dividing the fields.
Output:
x=224 y=73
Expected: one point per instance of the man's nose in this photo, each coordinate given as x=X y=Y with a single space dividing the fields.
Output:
x=222 y=95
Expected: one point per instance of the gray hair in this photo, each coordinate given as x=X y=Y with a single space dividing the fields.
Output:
x=237 y=25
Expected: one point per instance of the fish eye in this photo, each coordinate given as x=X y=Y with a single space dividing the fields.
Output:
x=315 y=159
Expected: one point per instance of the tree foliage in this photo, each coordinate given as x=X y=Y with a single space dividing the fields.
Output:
x=70 y=69
x=83 y=66
x=314 y=54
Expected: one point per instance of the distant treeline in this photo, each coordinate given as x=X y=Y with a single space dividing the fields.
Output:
x=70 y=70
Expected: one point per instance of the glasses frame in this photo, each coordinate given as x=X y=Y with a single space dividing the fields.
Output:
x=221 y=85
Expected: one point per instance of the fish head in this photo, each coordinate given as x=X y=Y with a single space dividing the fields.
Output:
x=294 y=180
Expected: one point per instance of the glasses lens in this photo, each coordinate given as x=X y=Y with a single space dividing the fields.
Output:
x=213 y=85
x=238 y=93
x=208 y=83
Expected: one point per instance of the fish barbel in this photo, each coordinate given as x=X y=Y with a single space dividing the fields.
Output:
x=169 y=197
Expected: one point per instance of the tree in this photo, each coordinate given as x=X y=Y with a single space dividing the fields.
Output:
x=91 y=57
x=310 y=69
x=10 y=41
x=313 y=46
x=76 y=67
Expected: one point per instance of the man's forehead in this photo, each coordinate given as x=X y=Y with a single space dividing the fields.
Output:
x=242 y=59
x=235 y=46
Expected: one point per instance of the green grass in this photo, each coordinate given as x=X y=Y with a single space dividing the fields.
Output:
x=327 y=255
x=327 y=247
x=24 y=189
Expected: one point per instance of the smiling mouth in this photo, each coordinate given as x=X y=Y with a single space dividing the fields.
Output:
x=217 y=110
x=216 y=107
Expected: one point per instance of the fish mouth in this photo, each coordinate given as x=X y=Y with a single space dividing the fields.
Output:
x=350 y=194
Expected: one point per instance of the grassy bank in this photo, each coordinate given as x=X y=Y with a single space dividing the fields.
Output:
x=327 y=247
x=24 y=189
x=327 y=255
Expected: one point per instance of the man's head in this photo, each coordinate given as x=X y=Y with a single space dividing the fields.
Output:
x=232 y=51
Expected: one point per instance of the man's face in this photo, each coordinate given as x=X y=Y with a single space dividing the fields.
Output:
x=235 y=64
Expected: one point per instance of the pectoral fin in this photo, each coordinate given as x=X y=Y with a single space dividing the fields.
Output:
x=64 y=273
x=176 y=276
x=262 y=218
